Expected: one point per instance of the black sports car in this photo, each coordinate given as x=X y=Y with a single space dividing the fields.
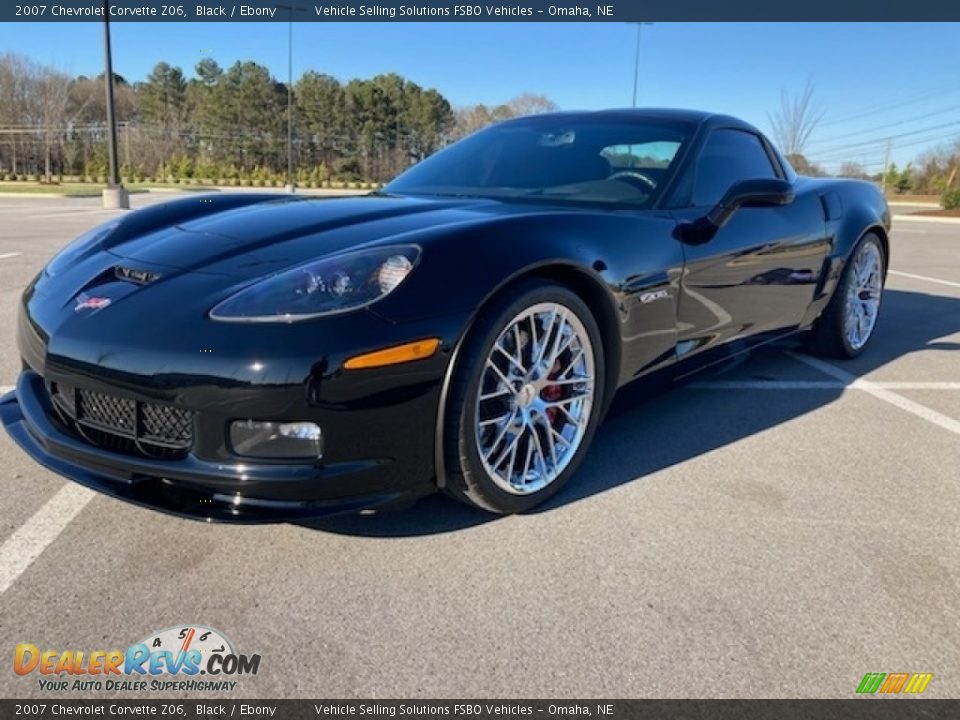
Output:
x=252 y=357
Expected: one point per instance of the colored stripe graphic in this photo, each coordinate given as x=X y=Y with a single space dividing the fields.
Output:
x=894 y=683
x=918 y=683
x=871 y=683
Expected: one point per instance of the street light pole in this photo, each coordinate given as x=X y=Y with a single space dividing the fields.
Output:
x=291 y=7
x=636 y=63
x=114 y=195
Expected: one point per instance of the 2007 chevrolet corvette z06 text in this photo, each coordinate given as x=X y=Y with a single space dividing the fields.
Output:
x=252 y=357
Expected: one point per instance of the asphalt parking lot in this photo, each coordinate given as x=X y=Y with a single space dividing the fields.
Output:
x=776 y=529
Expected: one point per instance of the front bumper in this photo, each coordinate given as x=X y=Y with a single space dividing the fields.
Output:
x=190 y=487
x=377 y=423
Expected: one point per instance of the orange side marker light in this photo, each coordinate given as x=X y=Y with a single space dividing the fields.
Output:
x=417 y=350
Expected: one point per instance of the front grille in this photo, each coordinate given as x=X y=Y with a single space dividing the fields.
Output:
x=123 y=425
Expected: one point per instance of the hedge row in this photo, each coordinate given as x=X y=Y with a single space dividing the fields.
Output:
x=229 y=182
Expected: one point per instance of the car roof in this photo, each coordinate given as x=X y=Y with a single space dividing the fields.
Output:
x=692 y=117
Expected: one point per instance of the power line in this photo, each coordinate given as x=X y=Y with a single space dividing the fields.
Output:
x=888 y=125
x=874 y=141
x=887 y=106
x=878 y=148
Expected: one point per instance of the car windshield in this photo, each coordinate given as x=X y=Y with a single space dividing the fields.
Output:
x=556 y=158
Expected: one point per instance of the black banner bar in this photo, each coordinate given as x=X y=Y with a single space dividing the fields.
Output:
x=486 y=11
x=854 y=709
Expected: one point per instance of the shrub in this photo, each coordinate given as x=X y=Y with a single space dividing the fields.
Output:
x=951 y=199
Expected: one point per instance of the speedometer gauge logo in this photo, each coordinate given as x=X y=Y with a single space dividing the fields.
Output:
x=201 y=642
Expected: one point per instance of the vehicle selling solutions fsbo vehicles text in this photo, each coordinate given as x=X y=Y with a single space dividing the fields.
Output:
x=422 y=11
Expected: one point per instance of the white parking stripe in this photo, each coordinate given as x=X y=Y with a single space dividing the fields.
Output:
x=926 y=278
x=5 y=389
x=4 y=256
x=881 y=393
x=29 y=540
x=820 y=385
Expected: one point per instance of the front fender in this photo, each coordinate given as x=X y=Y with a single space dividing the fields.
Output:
x=853 y=208
x=630 y=260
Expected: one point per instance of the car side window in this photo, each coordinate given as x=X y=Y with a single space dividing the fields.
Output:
x=727 y=157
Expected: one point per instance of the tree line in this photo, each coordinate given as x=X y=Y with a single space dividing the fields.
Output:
x=228 y=123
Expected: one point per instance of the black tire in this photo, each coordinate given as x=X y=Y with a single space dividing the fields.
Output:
x=467 y=478
x=827 y=337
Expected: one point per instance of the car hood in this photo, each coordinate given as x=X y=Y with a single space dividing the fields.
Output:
x=263 y=238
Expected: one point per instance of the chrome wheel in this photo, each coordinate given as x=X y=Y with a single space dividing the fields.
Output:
x=534 y=399
x=863 y=295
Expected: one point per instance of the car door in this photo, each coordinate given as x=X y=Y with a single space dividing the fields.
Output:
x=758 y=272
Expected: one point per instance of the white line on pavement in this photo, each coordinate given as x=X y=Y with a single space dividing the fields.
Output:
x=4 y=256
x=925 y=278
x=881 y=393
x=820 y=385
x=29 y=540
x=5 y=389
x=925 y=219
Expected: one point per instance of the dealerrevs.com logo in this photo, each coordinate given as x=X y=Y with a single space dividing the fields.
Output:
x=186 y=658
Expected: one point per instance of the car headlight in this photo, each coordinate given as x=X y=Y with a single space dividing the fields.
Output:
x=76 y=249
x=330 y=286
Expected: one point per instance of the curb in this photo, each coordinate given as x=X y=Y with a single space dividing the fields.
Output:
x=926 y=219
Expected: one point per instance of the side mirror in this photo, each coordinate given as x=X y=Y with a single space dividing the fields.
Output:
x=759 y=192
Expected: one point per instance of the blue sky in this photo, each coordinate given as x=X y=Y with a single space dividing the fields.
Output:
x=872 y=80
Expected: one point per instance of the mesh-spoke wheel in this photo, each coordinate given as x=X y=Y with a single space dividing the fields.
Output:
x=863 y=295
x=850 y=318
x=525 y=399
x=535 y=397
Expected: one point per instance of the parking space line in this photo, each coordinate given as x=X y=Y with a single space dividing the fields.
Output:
x=29 y=540
x=926 y=278
x=881 y=393
x=819 y=385
x=4 y=256
x=4 y=389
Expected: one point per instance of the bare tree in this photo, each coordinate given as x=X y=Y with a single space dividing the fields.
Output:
x=33 y=104
x=14 y=100
x=471 y=118
x=53 y=94
x=530 y=104
x=795 y=121
x=852 y=170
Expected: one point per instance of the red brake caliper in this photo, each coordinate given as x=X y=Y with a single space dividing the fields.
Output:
x=552 y=393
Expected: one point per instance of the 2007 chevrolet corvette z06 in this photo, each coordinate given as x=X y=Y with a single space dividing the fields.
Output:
x=254 y=357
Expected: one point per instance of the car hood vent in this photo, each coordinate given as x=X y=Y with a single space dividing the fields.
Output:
x=135 y=275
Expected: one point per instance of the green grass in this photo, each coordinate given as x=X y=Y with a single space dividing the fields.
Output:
x=66 y=189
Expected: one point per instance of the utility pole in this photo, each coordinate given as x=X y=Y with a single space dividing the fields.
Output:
x=114 y=195
x=886 y=166
x=636 y=63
